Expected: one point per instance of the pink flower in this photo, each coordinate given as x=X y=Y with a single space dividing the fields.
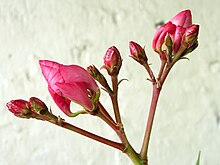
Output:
x=112 y=61
x=68 y=83
x=176 y=29
x=19 y=108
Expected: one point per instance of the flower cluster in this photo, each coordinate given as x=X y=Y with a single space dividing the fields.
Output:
x=176 y=36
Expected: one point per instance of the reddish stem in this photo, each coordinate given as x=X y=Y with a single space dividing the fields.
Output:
x=163 y=63
x=151 y=74
x=156 y=93
x=59 y=122
x=106 y=120
x=90 y=135
x=105 y=112
x=114 y=98
x=155 y=97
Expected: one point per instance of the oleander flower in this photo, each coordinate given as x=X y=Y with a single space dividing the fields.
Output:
x=68 y=83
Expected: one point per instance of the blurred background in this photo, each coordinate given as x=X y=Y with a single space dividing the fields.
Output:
x=79 y=32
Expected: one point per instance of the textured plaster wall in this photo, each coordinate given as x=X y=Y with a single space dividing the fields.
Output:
x=80 y=31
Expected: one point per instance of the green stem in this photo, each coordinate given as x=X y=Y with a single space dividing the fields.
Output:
x=133 y=155
x=78 y=113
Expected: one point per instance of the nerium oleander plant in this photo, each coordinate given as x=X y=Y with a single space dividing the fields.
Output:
x=172 y=41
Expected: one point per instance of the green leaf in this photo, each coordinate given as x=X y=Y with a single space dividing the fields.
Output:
x=198 y=159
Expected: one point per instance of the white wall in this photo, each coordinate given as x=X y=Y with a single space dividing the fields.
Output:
x=79 y=32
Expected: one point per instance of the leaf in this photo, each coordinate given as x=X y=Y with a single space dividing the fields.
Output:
x=198 y=159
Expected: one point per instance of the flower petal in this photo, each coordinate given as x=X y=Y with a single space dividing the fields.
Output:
x=168 y=28
x=74 y=74
x=77 y=92
x=51 y=72
x=156 y=36
x=178 y=38
x=183 y=18
x=62 y=103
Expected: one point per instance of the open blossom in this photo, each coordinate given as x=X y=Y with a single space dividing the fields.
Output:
x=68 y=83
x=178 y=29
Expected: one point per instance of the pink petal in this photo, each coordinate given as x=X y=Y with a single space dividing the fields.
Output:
x=168 y=28
x=178 y=38
x=183 y=18
x=68 y=82
x=77 y=92
x=75 y=74
x=62 y=103
x=156 y=36
x=51 y=72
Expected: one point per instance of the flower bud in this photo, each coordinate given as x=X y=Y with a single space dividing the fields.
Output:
x=190 y=49
x=167 y=47
x=168 y=41
x=138 y=53
x=159 y=37
x=19 y=108
x=191 y=35
x=94 y=72
x=112 y=61
x=37 y=105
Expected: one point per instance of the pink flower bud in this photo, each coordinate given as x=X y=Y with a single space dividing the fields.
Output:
x=112 y=61
x=68 y=83
x=138 y=53
x=159 y=38
x=37 y=105
x=183 y=19
x=19 y=108
x=191 y=35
